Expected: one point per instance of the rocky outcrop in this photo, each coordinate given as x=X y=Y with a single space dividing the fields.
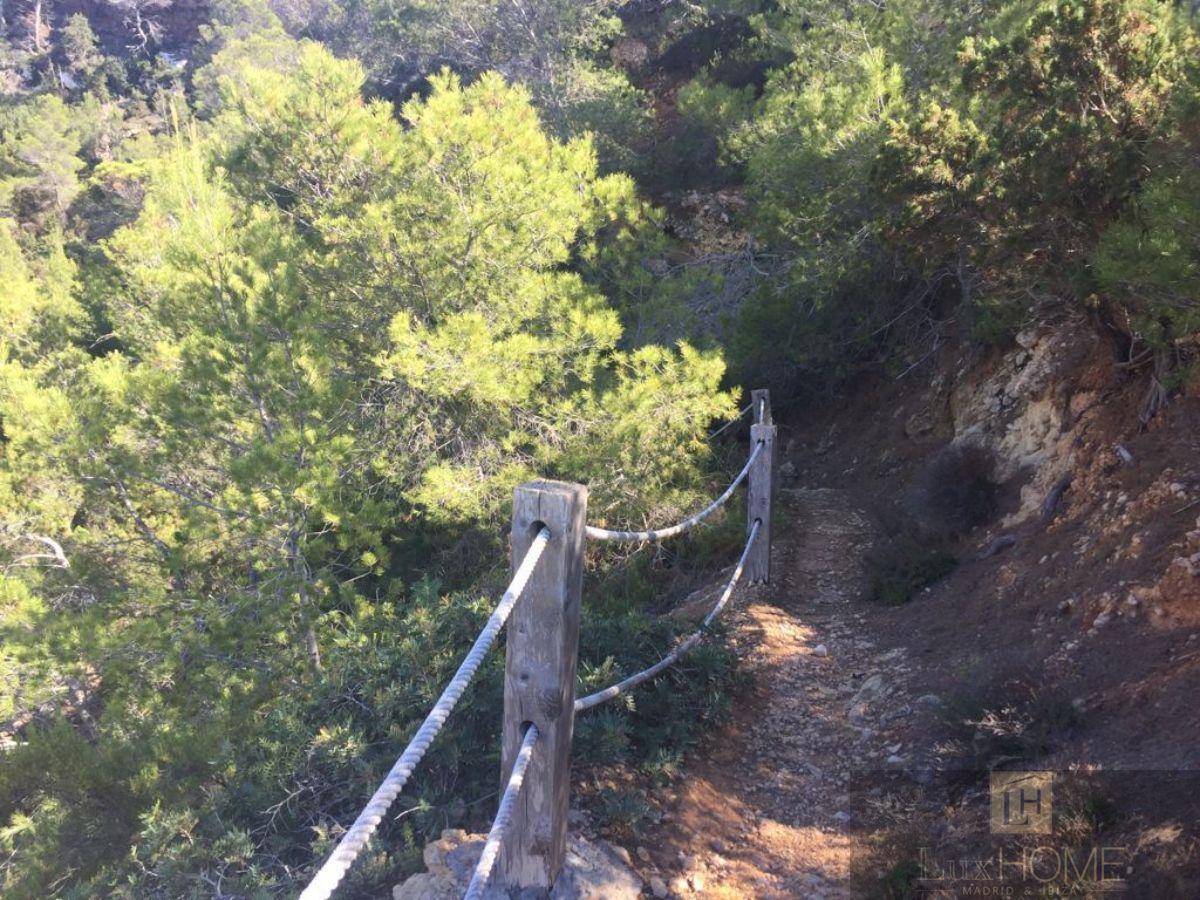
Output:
x=594 y=870
x=1019 y=406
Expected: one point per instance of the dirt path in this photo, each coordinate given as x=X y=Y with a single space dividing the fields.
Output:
x=784 y=802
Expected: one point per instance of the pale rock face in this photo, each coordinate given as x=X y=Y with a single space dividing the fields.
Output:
x=594 y=870
x=1019 y=409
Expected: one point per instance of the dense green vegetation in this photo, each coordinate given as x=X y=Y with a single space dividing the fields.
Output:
x=922 y=165
x=293 y=300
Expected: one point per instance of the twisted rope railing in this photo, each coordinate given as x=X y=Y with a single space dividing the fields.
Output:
x=331 y=873
x=548 y=629
x=658 y=534
x=621 y=687
x=495 y=838
x=737 y=418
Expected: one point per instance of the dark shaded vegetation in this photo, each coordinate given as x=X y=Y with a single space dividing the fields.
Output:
x=1006 y=721
x=920 y=171
x=953 y=492
x=280 y=293
x=904 y=566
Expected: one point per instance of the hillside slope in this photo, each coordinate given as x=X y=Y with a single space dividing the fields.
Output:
x=1066 y=639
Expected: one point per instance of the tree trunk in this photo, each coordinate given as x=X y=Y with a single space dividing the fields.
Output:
x=37 y=26
x=313 y=648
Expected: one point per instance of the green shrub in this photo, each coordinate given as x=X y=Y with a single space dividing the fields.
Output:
x=602 y=102
x=953 y=492
x=1010 y=186
x=621 y=811
x=902 y=881
x=905 y=567
x=714 y=106
x=1149 y=260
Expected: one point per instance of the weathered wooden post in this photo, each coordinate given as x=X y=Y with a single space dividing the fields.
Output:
x=539 y=679
x=758 y=493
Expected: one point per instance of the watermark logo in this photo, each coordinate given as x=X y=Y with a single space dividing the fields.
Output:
x=1022 y=802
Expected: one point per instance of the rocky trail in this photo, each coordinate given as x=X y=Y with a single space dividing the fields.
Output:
x=785 y=802
x=785 y=798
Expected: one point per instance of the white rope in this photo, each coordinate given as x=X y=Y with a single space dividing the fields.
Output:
x=745 y=409
x=683 y=647
x=658 y=534
x=495 y=838
x=326 y=880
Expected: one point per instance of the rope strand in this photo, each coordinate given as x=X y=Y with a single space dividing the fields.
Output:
x=326 y=880
x=745 y=409
x=495 y=838
x=681 y=648
x=658 y=534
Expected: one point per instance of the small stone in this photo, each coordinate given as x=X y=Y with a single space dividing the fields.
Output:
x=697 y=881
x=680 y=886
x=643 y=854
x=820 y=650
x=928 y=701
x=1101 y=620
x=841 y=817
x=871 y=689
x=658 y=887
x=895 y=760
x=623 y=855
x=1026 y=339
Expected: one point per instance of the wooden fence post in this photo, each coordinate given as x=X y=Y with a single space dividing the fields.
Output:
x=539 y=679
x=758 y=563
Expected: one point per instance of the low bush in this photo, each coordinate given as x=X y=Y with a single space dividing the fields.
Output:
x=1003 y=721
x=954 y=492
x=904 y=567
x=621 y=811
